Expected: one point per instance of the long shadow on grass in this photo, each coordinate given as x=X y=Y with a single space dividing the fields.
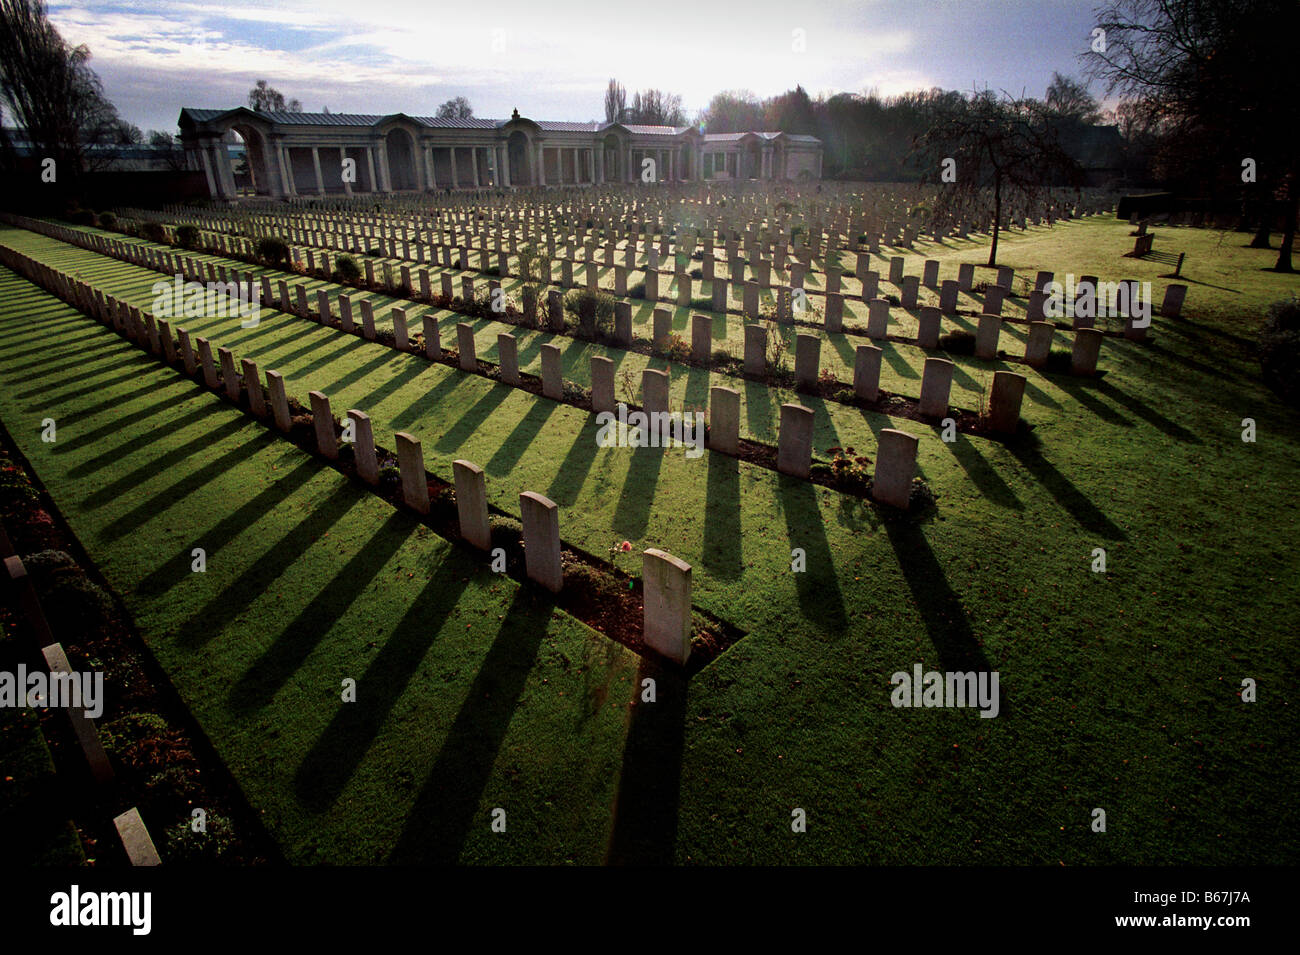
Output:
x=1082 y=392
x=469 y=420
x=1027 y=452
x=430 y=399
x=514 y=446
x=152 y=467
x=1147 y=413
x=44 y=399
x=573 y=469
x=444 y=811
x=177 y=568
x=157 y=503
x=295 y=642
x=722 y=546
x=983 y=475
x=819 y=588
x=51 y=365
x=113 y=403
x=632 y=514
x=241 y=593
x=941 y=609
x=645 y=810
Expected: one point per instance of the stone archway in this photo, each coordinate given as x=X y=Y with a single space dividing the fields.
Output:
x=258 y=157
x=400 y=148
x=614 y=158
x=519 y=158
x=751 y=161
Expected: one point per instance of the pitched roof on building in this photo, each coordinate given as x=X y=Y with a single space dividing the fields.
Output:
x=199 y=116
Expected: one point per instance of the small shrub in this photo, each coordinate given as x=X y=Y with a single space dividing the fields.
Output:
x=347 y=270
x=593 y=310
x=958 y=343
x=1279 y=349
x=181 y=844
x=81 y=217
x=107 y=221
x=673 y=347
x=1058 y=361
x=272 y=250
x=154 y=232
x=187 y=236
x=637 y=290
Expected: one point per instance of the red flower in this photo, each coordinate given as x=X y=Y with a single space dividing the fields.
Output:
x=625 y=546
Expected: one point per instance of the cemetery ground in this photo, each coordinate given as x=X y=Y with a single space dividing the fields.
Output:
x=1120 y=690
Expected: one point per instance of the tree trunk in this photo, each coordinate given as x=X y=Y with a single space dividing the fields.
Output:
x=997 y=219
x=1265 y=223
x=1288 y=236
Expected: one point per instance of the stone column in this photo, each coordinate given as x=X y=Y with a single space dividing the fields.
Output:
x=286 y=170
x=429 y=175
x=473 y=161
x=455 y=176
x=206 y=157
x=370 y=168
x=320 y=180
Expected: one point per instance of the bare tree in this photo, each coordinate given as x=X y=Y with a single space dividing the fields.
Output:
x=1208 y=69
x=267 y=99
x=615 y=102
x=654 y=107
x=986 y=143
x=1069 y=99
x=52 y=91
x=457 y=108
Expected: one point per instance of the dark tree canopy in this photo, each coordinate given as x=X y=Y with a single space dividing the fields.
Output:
x=457 y=108
x=267 y=99
x=54 y=94
x=1209 y=75
x=991 y=144
x=615 y=102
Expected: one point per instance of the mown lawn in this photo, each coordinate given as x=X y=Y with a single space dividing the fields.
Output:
x=1119 y=689
x=471 y=694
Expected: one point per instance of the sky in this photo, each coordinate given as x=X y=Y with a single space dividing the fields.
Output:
x=552 y=59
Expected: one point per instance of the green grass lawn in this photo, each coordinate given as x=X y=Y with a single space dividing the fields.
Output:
x=471 y=693
x=1119 y=689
